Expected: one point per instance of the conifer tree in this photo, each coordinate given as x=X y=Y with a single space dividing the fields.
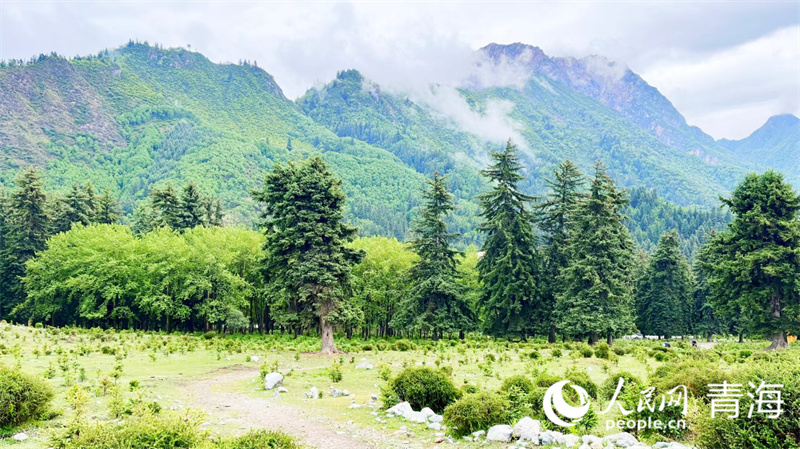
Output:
x=27 y=228
x=167 y=207
x=755 y=262
x=596 y=297
x=213 y=211
x=705 y=319
x=76 y=207
x=307 y=256
x=509 y=268
x=556 y=220
x=107 y=211
x=436 y=304
x=665 y=294
x=192 y=211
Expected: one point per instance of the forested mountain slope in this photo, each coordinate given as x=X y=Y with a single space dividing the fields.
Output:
x=140 y=116
x=776 y=144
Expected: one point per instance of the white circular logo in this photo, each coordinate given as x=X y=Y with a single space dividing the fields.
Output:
x=554 y=398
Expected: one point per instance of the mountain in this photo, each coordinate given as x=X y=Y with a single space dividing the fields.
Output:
x=141 y=116
x=776 y=144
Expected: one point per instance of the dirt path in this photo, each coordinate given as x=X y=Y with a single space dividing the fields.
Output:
x=265 y=413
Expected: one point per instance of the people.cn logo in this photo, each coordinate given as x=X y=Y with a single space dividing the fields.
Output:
x=554 y=399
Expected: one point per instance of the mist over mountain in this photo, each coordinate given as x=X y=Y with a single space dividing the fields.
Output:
x=141 y=116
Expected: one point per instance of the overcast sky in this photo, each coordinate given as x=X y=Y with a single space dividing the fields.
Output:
x=727 y=66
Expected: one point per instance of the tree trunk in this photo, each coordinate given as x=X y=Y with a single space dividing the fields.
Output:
x=593 y=338
x=610 y=338
x=779 y=338
x=552 y=337
x=778 y=342
x=708 y=338
x=326 y=331
x=741 y=336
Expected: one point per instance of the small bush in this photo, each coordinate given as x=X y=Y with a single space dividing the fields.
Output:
x=263 y=439
x=366 y=347
x=22 y=397
x=402 y=345
x=382 y=346
x=632 y=384
x=601 y=351
x=556 y=353
x=424 y=387
x=587 y=353
x=475 y=412
x=335 y=372
x=582 y=379
x=520 y=382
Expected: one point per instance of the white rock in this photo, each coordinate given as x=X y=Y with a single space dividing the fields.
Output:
x=313 y=393
x=21 y=436
x=427 y=412
x=416 y=417
x=254 y=358
x=272 y=379
x=282 y=390
x=374 y=397
x=364 y=366
x=479 y=433
x=670 y=445
x=336 y=392
x=622 y=439
x=549 y=437
x=436 y=418
x=500 y=433
x=568 y=440
x=435 y=425
x=528 y=429
x=401 y=409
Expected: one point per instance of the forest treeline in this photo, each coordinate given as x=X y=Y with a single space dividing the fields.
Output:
x=561 y=266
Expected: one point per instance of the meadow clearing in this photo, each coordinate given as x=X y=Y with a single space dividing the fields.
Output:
x=218 y=380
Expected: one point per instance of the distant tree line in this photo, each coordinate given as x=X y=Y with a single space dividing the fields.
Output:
x=561 y=266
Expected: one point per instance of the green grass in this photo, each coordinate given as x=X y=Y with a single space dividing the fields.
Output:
x=182 y=359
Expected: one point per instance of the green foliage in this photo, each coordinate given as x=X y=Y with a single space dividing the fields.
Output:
x=754 y=264
x=262 y=439
x=510 y=266
x=22 y=397
x=597 y=296
x=474 y=412
x=424 y=387
x=665 y=295
x=436 y=304
x=307 y=256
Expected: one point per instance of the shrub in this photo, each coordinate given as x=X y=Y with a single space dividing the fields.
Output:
x=581 y=378
x=587 y=352
x=335 y=372
x=556 y=353
x=632 y=384
x=520 y=382
x=263 y=439
x=366 y=347
x=164 y=431
x=469 y=389
x=619 y=351
x=475 y=412
x=601 y=351
x=424 y=387
x=22 y=397
x=382 y=345
x=402 y=345
x=534 y=354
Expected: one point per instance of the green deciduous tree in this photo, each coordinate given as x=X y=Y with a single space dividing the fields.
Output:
x=307 y=258
x=597 y=288
x=666 y=291
x=755 y=262
x=436 y=304
x=510 y=266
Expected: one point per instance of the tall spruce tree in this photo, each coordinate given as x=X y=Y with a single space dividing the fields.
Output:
x=596 y=298
x=27 y=228
x=192 y=210
x=107 y=211
x=437 y=303
x=705 y=319
x=510 y=266
x=556 y=220
x=166 y=207
x=755 y=262
x=76 y=208
x=307 y=256
x=665 y=299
